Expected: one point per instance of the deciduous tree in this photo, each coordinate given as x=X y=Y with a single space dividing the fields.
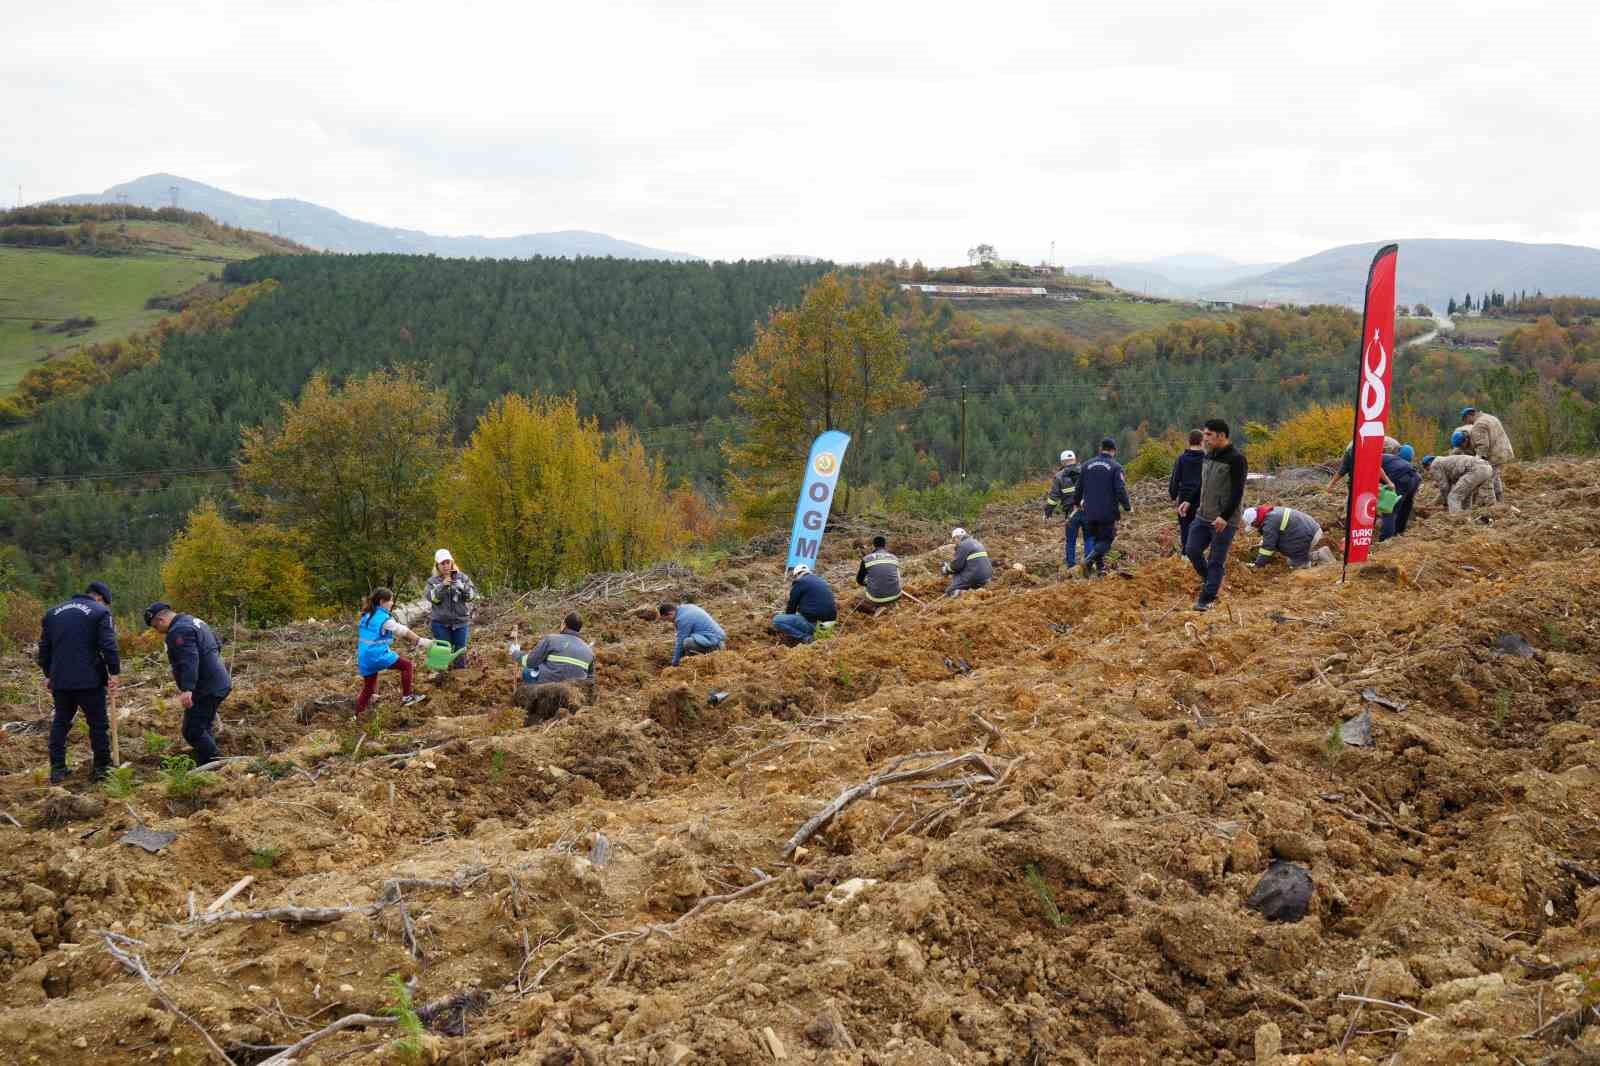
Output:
x=354 y=472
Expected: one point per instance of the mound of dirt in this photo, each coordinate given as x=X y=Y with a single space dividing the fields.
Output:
x=1019 y=827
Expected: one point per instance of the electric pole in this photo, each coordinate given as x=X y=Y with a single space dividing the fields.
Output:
x=963 y=432
x=173 y=190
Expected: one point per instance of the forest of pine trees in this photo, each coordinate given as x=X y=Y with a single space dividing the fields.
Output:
x=650 y=344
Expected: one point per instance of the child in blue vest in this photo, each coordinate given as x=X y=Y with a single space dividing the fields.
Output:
x=376 y=629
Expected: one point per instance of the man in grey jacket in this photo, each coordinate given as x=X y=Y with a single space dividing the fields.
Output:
x=879 y=577
x=562 y=656
x=1292 y=534
x=971 y=568
x=450 y=593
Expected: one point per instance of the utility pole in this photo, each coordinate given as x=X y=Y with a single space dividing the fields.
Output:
x=173 y=190
x=963 y=432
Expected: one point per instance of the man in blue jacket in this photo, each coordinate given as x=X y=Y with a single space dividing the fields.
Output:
x=195 y=655
x=78 y=654
x=1183 y=487
x=698 y=632
x=810 y=601
x=1102 y=492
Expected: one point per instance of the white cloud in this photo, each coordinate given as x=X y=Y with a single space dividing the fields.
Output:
x=856 y=131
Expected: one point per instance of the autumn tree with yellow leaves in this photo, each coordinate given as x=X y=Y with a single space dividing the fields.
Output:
x=541 y=494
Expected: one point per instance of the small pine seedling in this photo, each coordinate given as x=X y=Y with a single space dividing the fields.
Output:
x=1502 y=708
x=183 y=781
x=155 y=743
x=409 y=1046
x=1334 y=745
x=1047 y=898
x=119 y=783
x=264 y=858
x=497 y=764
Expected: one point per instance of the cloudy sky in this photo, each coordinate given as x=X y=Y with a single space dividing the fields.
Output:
x=855 y=130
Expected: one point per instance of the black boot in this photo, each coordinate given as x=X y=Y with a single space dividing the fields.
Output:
x=100 y=772
x=58 y=774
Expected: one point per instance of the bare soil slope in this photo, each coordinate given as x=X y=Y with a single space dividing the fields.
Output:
x=614 y=885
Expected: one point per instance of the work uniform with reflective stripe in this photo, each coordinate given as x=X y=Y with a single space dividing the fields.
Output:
x=971 y=568
x=1290 y=533
x=562 y=656
x=879 y=575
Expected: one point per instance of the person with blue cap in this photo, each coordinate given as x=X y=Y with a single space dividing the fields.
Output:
x=195 y=655
x=1405 y=481
x=78 y=654
x=1490 y=442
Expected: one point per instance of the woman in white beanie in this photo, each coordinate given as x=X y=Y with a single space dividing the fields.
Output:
x=450 y=593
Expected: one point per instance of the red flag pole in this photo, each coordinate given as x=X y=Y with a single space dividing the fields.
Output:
x=1374 y=376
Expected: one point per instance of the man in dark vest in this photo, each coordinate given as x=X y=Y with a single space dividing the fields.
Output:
x=78 y=654
x=195 y=655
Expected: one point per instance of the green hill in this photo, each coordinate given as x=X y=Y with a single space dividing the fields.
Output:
x=76 y=276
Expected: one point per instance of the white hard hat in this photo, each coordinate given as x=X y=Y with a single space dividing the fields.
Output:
x=1069 y=456
x=800 y=570
x=441 y=555
x=957 y=533
x=1249 y=516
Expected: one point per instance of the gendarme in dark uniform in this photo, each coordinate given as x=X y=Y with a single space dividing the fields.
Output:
x=195 y=654
x=78 y=654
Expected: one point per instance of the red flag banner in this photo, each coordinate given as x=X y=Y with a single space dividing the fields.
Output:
x=1372 y=405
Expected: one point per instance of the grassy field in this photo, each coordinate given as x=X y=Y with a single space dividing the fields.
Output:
x=1089 y=319
x=50 y=286
x=1484 y=330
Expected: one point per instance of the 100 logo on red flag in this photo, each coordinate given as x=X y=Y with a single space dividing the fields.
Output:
x=1373 y=394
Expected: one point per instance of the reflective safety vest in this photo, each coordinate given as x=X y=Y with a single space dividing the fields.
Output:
x=882 y=572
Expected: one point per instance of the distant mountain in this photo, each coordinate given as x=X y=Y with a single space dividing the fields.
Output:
x=1185 y=275
x=326 y=229
x=1430 y=271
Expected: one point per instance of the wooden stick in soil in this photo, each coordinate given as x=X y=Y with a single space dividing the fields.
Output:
x=1344 y=998
x=238 y=886
x=349 y=1021
x=116 y=740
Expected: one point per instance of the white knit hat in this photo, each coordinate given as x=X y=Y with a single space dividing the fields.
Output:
x=441 y=555
x=957 y=533
x=1250 y=516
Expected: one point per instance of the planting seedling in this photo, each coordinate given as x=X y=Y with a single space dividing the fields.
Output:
x=182 y=780
x=156 y=743
x=1046 y=897
x=408 y=1047
x=263 y=858
x=119 y=783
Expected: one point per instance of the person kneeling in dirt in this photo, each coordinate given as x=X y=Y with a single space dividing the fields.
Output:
x=698 y=632
x=1292 y=534
x=1458 y=478
x=195 y=654
x=971 y=568
x=376 y=629
x=1399 y=472
x=810 y=602
x=879 y=578
x=562 y=656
